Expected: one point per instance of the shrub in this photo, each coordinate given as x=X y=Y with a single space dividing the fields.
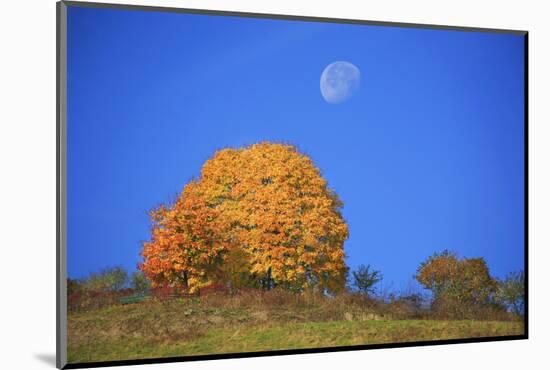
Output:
x=139 y=282
x=511 y=293
x=109 y=279
x=94 y=299
x=460 y=287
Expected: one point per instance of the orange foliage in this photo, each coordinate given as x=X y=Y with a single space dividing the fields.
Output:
x=457 y=281
x=267 y=204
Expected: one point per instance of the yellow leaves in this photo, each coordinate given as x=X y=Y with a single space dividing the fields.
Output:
x=267 y=199
x=194 y=284
x=258 y=268
x=308 y=258
x=449 y=277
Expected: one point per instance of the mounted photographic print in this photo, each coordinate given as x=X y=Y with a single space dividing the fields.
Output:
x=234 y=184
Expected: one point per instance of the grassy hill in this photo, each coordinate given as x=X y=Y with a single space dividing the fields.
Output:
x=222 y=324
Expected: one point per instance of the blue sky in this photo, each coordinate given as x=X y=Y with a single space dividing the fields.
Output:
x=427 y=155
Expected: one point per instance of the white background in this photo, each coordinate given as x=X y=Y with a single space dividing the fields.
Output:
x=27 y=182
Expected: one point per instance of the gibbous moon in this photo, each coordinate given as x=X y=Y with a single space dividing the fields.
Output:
x=339 y=81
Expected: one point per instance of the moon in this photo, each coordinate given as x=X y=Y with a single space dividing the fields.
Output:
x=339 y=81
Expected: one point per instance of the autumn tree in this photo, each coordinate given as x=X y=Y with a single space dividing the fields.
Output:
x=458 y=285
x=184 y=249
x=262 y=214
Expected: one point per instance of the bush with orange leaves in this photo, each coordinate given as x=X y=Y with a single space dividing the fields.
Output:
x=462 y=288
x=257 y=216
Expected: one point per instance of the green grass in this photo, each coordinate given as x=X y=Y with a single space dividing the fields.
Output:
x=192 y=327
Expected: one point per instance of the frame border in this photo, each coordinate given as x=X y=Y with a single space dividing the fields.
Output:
x=61 y=184
x=166 y=9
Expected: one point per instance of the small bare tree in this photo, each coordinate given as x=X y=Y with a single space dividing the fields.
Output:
x=365 y=278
